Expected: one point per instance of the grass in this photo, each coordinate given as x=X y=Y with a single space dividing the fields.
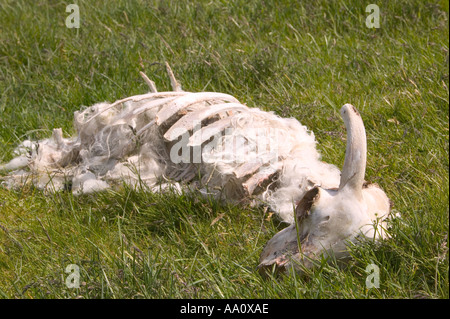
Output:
x=299 y=59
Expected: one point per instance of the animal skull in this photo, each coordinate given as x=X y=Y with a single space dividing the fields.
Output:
x=327 y=220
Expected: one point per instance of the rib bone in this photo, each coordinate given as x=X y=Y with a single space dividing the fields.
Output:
x=188 y=121
x=257 y=179
x=187 y=100
x=137 y=98
x=205 y=133
x=247 y=169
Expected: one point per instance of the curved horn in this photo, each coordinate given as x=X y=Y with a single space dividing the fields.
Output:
x=352 y=176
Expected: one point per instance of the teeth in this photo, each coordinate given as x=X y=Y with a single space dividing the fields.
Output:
x=188 y=121
x=187 y=100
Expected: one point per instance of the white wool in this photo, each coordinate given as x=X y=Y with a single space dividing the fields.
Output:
x=87 y=183
x=15 y=163
x=122 y=142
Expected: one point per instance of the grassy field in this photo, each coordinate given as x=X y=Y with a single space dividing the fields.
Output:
x=299 y=59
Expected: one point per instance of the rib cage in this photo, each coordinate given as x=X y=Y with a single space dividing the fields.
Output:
x=172 y=138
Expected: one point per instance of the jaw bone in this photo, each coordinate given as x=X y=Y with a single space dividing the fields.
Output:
x=327 y=220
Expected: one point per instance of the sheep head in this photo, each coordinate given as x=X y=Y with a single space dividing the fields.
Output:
x=327 y=220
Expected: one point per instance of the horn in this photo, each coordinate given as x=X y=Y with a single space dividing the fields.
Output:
x=352 y=176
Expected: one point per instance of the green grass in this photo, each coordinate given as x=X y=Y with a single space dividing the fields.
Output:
x=299 y=59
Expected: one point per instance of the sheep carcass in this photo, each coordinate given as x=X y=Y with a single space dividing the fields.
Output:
x=212 y=143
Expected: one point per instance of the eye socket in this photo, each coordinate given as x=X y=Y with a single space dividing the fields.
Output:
x=326 y=217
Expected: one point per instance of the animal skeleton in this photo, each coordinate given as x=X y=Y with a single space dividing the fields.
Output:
x=212 y=143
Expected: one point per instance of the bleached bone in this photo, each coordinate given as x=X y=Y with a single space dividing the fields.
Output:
x=328 y=220
x=138 y=98
x=187 y=100
x=124 y=141
x=188 y=121
x=263 y=175
x=173 y=81
x=205 y=133
x=247 y=168
x=150 y=83
x=150 y=105
x=352 y=177
x=58 y=138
